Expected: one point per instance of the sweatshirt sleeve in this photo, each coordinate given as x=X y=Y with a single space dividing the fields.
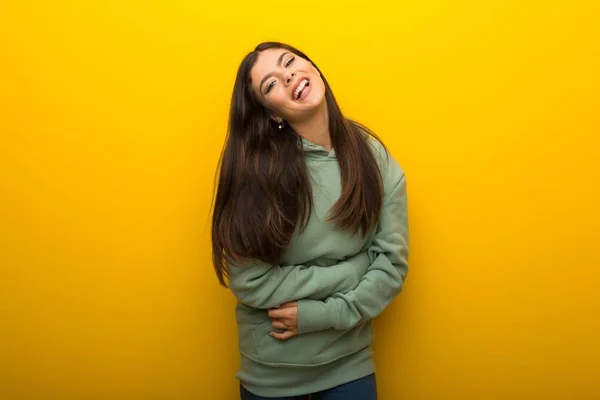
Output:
x=385 y=276
x=263 y=286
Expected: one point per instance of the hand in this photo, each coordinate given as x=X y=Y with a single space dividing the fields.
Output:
x=284 y=317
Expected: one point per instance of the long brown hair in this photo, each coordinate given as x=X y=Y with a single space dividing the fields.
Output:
x=263 y=186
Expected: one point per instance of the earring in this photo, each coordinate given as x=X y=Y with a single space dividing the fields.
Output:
x=280 y=124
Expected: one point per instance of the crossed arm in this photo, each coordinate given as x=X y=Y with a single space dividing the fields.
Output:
x=264 y=286
x=345 y=294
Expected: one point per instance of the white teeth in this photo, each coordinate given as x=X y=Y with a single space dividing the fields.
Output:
x=300 y=87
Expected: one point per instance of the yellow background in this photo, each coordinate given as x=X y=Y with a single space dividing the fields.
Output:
x=112 y=117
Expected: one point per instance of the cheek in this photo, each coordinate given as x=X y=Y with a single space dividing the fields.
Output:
x=322 y=87
x=278 y=99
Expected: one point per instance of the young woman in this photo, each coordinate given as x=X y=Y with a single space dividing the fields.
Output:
x=309 y=229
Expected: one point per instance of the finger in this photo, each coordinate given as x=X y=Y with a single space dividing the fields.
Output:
x=283 y=314
x=282 y=336
x=288 y=305
x=277 y=324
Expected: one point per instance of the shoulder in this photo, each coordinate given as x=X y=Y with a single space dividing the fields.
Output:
x=391 y=171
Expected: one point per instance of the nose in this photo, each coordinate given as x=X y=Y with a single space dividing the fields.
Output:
x=289 y=75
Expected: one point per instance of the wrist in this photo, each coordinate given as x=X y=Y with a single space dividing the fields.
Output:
x=312 y=316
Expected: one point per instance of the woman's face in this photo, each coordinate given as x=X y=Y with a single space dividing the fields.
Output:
x=289 y=86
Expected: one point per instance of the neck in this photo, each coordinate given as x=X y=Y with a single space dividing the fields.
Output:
x=315 y=129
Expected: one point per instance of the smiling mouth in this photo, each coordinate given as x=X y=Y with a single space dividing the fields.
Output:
x=302 y=86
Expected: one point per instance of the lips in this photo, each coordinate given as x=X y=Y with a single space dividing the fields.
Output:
x=300 y=87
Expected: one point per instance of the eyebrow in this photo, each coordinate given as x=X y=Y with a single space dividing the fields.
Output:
x=279 y=60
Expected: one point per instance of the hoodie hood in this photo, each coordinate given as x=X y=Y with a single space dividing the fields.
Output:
x=316 y=151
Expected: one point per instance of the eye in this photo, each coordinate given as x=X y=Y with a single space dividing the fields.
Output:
x=287 y=64
x=270 y=86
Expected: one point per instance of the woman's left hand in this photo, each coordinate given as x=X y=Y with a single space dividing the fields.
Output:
x=284 y=317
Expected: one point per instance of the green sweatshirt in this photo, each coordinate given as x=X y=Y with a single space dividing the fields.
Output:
x=341 y=281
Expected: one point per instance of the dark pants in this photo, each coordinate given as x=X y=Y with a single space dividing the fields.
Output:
x=360 y=389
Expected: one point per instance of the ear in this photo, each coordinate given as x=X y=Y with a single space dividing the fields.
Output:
x=276 y=118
